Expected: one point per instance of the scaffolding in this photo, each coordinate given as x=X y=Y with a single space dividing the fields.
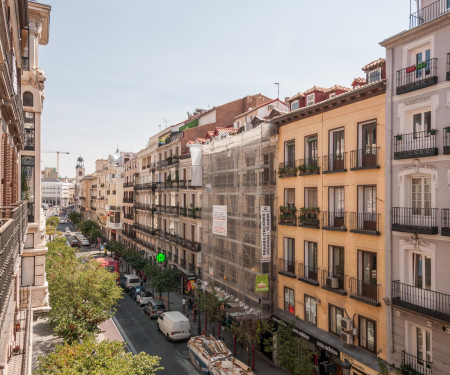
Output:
x=239 y=173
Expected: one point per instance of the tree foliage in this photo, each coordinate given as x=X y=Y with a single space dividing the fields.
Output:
x=75 y=217
x=82 y=294
x=291 y=352
x=90 y=229
x=53 y=221
x=210 y=303
x=96 y=358
x=166 y=280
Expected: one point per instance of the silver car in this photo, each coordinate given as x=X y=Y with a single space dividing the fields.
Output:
x=154 y=308
x=143 y=297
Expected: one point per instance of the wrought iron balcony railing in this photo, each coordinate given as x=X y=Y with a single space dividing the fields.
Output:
x=416 y=77
x=445 y=222
x=309 y=217
x=446 y=136
x=288 y=215
x=287 y=169
x=334 y=221
x=428 y=13
x=366 y=158
x=421 y=300
x=195 y=212
x=308 y=274
x=365 y=223
x=415 y=220
x=414 y=365
x=183 y=211
x=415 y=145
x=365 y=292
x=334 y=282
x=334 y=163
x=308 y=166
x=286 y=267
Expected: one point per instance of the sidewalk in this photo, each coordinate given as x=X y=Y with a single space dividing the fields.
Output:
x=263 y=365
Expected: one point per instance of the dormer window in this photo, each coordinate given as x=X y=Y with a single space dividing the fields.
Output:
x=374 y=75
x=294 y=105
x=310 y=100
x=332 y=95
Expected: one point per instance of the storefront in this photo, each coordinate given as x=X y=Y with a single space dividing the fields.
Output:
x=357 y=367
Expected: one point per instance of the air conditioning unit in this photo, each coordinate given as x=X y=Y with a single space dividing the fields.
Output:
x=333 y=282
x=347 y=338
x=347 y=324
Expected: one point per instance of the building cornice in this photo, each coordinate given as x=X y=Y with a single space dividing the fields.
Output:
x=363 y=93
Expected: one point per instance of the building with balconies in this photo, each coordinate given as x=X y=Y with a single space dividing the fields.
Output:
x=417 y=179
x=130 y=176
x=331 y=193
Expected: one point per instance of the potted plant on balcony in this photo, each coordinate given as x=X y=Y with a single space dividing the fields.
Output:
x=398 y=137
x=313 y=168
x=287 y=213
x=302 y=169
x=309 y=216
x=169 y=160
x=432 y=131
x=408 y=370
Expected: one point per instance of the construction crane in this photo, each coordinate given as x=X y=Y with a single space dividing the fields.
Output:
x=57 y=157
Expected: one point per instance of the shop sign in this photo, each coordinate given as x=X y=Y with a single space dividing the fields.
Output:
x=358 y=366
x=192 y=277
x=309 y=338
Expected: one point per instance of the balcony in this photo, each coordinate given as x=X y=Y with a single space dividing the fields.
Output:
x=334 y=221
x=309 y=218
x=366 y=158
x=183 y=211
x=308 y=274
x=334 y=163
x=93 y=209
x=307 y=167
x=415 y=220
x=287 y=169
x=286 y=267
x=143 y=206
x=365 y=292
x=183 y=263
x=334 y=282
x=415 y=145
x=192 y=245
x=94 y=187
x=416 y=77
x=445 y=222
x=172 y=210
x=129 y=217
x=428 y=13
x=191 y=268
x=288 y=215
x=111 y=225
x=411 y=365
x=425 y=301
x=365 y=223
x=195 y=212
x=446 y=136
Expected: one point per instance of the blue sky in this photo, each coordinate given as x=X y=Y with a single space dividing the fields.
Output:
x=116 y=70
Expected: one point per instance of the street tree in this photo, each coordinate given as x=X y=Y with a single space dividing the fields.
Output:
x=96 y=358
x=75 y=217
x=90 y=229
x=292 y=353
x=210 y=303
x=166 y=280
x=82 y=295
x=115 y=247
x=53 y=221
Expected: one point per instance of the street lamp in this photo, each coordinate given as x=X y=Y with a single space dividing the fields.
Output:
x=199 y=326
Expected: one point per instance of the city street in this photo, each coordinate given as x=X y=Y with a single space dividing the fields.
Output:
x=142 y=335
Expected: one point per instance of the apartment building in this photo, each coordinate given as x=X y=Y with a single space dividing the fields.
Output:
x=417 y=179
x=79 y=175
x=331 y=195
x=55 y=192
x=129 y=175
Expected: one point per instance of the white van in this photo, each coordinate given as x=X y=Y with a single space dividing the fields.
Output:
x=174 y=325
x=127 y=281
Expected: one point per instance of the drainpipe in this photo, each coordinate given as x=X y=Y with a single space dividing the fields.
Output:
x=388 y=196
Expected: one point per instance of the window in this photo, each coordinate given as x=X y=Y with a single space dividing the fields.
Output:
x=289 y=198
x=367 y=275
x=421 y=123
x=27 y=99
x=310 y=309
x=311 y=150
x=421 y=271
x=309 y=100
x=289 y=255
x=374 y=75
x=289 y=302
x=336 y=206
x=80 y=173
x=27 y=271
x=311 y=198
x=295 y=105
x=336 y=261
x=335 y=315
x=336 y=150
x=311 y=260
x=367 y=208
x=332 y=95
x=289 y=153
x=421 y=195
x=367 y=334
x=423 y=56
x=419 y=343
x=29 y=130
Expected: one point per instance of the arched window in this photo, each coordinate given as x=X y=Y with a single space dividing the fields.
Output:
x=27 y=99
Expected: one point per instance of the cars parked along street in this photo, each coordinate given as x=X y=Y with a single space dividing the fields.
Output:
x=154 y=308
x=143 y=297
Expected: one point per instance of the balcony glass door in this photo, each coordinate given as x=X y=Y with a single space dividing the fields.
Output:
x=368 y=145
x=289 y=154
x=368 y=274
x=367 y=207
x=422 y=57
x=421 y=196
x=289 y=255
x=338 y=150
x=311 y=260
x=421 y=271
x=336 y=207
x=311 y=150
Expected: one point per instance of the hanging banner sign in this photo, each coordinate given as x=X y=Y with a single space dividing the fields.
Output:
x=265 y=234
x=220 y=220
x=262 y=283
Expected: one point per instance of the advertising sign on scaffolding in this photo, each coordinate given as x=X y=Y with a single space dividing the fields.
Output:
x=262 y=282
x=220 y=220
x=265 y=234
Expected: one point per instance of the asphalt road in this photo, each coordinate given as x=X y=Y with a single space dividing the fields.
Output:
x=143 y=336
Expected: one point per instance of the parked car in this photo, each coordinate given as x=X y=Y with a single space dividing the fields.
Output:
x=85 y=241
x=154 y=308
x=129 y=281
x=75 y=243
x=143 y=297
x=174 y=325
x=134 y=290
